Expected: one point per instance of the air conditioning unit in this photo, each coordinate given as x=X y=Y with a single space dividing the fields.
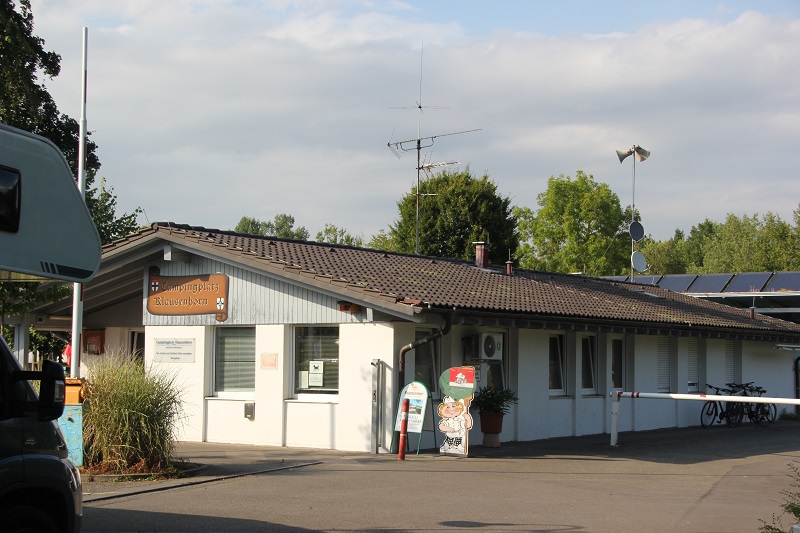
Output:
x=490 y=346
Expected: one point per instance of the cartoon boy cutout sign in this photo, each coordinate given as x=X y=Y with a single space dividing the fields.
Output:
x=455 y=422
x=458 y=386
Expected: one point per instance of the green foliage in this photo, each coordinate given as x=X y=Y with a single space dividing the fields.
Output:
x=130 y=416
x=579 y=227
x=487 y=400
x=455 y=210
x=739 y=244
x=383 y=241
x=790 y=505
x=282 y=227
x=334 y=235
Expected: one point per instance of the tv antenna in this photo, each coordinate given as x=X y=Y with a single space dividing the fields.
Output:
x=418 y=143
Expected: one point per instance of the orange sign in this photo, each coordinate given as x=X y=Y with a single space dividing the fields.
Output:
x=188 y=295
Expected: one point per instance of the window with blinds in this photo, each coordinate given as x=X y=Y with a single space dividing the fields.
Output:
x=663 y=366
x=693 y=364
x=316 y=359
x=730 y=363
x=235 y=360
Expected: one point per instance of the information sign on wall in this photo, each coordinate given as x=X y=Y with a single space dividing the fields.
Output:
x=173 y=351
x=188 y=295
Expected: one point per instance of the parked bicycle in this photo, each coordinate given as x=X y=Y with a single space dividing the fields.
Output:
x=758 y=413
x=715 y=411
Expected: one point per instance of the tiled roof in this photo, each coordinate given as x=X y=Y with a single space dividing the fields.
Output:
x=445 y=283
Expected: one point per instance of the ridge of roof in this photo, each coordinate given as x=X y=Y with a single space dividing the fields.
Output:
x=432 y=282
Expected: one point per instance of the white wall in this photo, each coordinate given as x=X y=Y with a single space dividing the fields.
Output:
x=190 y=377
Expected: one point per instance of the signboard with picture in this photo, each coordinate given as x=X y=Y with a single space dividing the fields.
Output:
x=458 y=386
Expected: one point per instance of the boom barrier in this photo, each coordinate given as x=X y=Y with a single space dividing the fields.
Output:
x=617 y=395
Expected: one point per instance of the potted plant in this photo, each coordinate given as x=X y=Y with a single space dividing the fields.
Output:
x=492 y=405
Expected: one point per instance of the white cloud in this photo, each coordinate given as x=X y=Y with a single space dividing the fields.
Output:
x=207 y=111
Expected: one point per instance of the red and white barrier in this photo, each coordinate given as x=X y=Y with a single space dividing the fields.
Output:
x=617 y=395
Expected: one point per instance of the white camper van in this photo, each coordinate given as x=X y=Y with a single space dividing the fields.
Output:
x=46 y=232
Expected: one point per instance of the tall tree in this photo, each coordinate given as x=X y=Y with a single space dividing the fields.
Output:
x=281 y=226
x=25 y=103
x=579 y=227
x=456 y=210
x=332 y=234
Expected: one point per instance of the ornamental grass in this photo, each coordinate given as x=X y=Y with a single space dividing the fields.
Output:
x=130 y=417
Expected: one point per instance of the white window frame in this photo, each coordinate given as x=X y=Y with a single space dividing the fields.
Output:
x=232 y=394
x=321 y=395
x=560 y=360
x=588 y=345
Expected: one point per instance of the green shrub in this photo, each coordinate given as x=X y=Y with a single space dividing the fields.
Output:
x=129 y=417
x=790 y=505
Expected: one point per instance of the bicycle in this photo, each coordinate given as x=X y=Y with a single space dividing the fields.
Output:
x=715 y=410
x=757 y=413
x=772 y=409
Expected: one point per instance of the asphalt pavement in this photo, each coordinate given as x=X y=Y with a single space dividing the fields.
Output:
x=692 y=479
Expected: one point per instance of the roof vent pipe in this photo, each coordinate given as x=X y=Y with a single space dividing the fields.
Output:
x=481 y=255
x=509 y=268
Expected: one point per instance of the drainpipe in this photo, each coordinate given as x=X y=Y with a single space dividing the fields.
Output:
x=401 y=371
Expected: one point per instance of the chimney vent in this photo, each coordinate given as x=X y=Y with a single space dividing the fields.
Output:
x=509 y=268
x=481 y=255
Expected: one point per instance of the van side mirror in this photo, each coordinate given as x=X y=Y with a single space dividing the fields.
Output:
x=51 y=391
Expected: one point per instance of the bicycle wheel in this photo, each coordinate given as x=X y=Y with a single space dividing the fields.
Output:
x=773 y=412
x=762 y=414
x=734 y=412
x=709 y=414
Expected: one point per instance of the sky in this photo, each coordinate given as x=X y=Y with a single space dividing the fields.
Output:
x=205 y=111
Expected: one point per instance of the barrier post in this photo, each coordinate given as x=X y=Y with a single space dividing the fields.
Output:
x=401 y=452
x=615 y=417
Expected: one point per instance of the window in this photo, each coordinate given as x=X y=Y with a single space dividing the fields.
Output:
x=617 y=364
x=663 y=377
x=316 y=359
x=730 y=363
x=589 y=365
x=426 y=363
x=557 y=377
x=235 y=360
x=693 y=363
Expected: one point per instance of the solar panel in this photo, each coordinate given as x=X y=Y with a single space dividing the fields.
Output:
x=677 y=282
x=784 y=281
x=710 y=282
x=615 y=278
x=647 y=280
x=748 y=282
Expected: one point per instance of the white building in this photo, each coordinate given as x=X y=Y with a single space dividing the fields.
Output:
x=290 y=343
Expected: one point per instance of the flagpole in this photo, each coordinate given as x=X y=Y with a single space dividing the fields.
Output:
x=77 y=288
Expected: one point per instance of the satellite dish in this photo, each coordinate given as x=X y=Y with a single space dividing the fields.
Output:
x=636 y=230
x=638 y=261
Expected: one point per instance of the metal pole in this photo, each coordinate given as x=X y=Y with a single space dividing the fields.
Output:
x=614 y=418
x=633 y=210
x=77 y=288
x=401 y=453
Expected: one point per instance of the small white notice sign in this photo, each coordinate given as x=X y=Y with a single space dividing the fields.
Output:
x=174 y=351
x=316 y=373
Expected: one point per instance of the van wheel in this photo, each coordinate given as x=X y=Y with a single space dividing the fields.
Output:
x=27 y=519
